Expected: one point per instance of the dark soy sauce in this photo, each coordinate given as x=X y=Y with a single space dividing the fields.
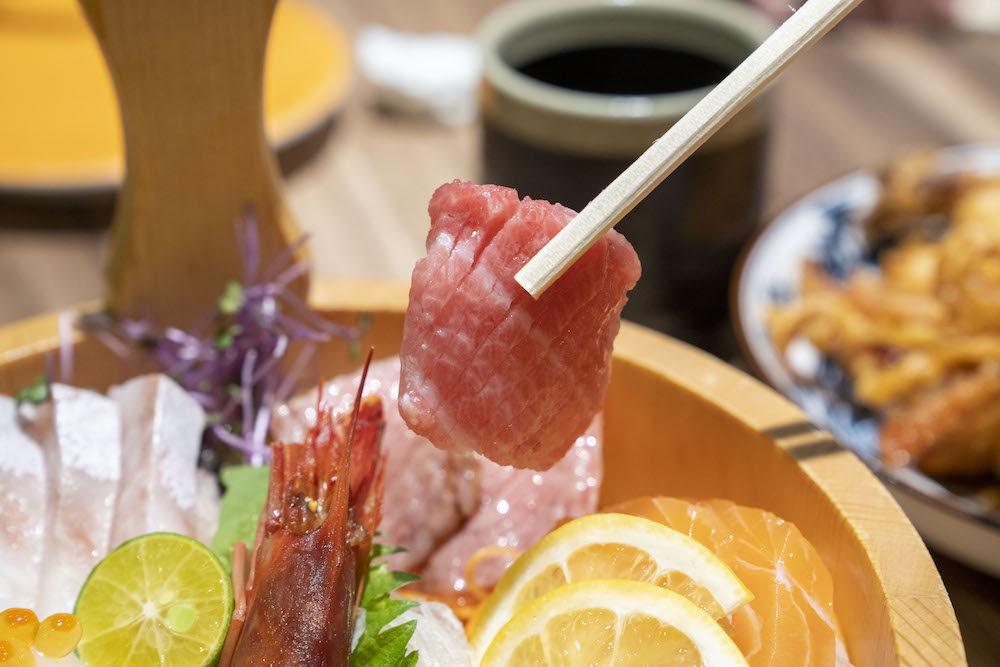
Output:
x=626 y=70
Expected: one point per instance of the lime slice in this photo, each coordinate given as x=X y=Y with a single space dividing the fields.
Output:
x=158 y=599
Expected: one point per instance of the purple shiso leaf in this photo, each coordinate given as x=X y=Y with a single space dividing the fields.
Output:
x=288 y=382
x=286 y=277
x=282 y=259
x=241 y=348
x=248 y=233
x=223 y=434
x=246 y=387
x=67 y=320
x=116 y=345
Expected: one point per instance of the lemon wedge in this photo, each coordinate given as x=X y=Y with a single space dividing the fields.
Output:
x=611 y=546
x=612 y=623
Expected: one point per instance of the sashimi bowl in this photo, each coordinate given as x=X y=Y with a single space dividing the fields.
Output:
x=677 y=422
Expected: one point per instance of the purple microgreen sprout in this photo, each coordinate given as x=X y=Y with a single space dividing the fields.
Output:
x=232 y=363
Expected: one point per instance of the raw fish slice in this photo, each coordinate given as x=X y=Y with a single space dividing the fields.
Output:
x=206 y=506
x=439 y=637
x=428 y=492
x=80 y=433
x=161 y=438
x=484 y=366
x=790 y=622
x=517 y=508
x=22 y=511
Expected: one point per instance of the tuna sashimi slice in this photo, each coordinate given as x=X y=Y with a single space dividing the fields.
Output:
x=428 y=492
x=161 y=438
x=80 y=434
x=22 y=511
x=484 y=366
x=516 y=509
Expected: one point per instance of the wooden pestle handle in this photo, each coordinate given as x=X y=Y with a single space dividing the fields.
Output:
x=189 y=75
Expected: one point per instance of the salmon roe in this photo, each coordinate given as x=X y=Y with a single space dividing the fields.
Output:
x=58 y=635
x=20 y=624
x=14 y=653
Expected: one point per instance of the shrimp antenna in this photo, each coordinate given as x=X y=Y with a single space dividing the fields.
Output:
x=357 y=400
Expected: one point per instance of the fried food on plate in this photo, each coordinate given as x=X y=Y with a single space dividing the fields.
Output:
x=919 y=334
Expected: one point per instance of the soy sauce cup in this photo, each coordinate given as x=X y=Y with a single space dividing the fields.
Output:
x=575 y=90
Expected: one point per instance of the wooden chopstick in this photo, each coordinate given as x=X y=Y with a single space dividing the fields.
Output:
x=798 y=33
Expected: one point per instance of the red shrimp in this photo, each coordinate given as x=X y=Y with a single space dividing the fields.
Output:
x=312 y=544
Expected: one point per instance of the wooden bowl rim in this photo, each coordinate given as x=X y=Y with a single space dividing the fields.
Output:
x=746 y=399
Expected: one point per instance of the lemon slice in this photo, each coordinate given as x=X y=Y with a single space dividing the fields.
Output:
x=158 y=599
x=612 y=622
x=611 y=546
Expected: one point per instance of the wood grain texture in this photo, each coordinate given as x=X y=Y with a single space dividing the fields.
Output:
x=189 y=76
x=680 y=422
x=363 y=197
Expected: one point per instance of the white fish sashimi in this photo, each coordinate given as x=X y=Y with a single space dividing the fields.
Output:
x=80 y=434
x=439 y=636
x=206 y=507
x=22 y=510
x=161 y=437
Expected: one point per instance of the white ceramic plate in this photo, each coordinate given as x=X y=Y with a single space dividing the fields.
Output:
x=826 y=226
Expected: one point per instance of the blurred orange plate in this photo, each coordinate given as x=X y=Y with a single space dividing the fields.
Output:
x=60 y=132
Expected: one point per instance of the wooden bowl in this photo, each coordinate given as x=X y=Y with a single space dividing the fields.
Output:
x=677 y=422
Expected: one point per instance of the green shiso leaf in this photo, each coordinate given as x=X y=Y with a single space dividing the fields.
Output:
x=231 y=299
x=378 y=648
x=386 y=649
x=37 y=392
x=242 y=503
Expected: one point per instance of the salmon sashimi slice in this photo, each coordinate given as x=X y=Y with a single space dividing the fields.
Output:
x=790 y=621
x=516 y=509
x=429 y=493
x=80 y=434
x=161 y=438
x=22 y=510
x=485 y=367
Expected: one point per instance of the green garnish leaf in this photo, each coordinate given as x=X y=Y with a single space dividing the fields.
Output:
x=380 y=550
x=381 y=581
x=386 y=649
x=411 y=659
x=242 y=503
x=386 y=609
x=224 y=337
x=232 y=298
x=378 y=648
x=37 y=392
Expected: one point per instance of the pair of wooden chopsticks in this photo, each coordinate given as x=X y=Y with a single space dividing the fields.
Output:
x=798 y=33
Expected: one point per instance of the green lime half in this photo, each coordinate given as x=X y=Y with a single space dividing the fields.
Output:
x=158 y=599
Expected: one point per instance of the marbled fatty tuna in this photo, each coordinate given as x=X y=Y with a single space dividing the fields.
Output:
x=484 y=366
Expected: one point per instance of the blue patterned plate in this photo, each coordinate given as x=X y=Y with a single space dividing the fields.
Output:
x=826 y=226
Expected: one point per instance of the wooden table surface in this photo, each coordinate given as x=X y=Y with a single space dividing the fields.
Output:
x=861 y=97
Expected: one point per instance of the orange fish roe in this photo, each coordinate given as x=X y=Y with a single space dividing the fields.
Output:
x=14 y=653
x=58 y=635
x=20 y=624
